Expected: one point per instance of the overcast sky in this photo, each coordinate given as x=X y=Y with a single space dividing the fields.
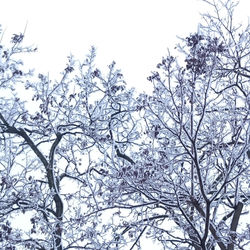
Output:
x=134 y=33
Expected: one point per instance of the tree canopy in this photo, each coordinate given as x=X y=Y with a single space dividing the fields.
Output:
x=85 y=163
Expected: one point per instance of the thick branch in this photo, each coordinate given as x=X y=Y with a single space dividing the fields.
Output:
x=125 y=157
x=211 y=227
x=234 y=224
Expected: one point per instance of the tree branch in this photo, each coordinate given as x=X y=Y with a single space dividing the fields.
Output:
x=125 y=157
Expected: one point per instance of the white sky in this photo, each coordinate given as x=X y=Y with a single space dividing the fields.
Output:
x=134 y=33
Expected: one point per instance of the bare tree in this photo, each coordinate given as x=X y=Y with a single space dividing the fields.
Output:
x=50 y=148
x=187 y=185
x=87 y=166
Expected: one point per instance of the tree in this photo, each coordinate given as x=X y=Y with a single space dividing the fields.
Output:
x=50 y=147
x=187 y=185
x=92 y=167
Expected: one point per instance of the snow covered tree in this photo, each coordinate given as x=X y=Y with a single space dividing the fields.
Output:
x=85 y=165
x=187 y=185
x=52 y=135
